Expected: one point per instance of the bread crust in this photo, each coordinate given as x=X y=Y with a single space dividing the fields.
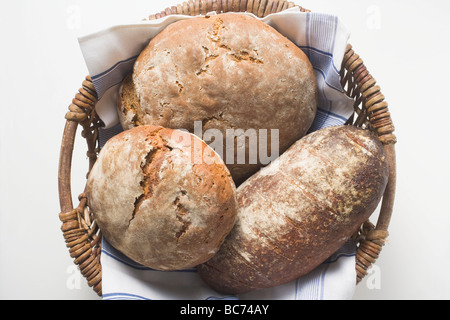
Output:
x=156 y=203
x=229 y=71
x=299 y=210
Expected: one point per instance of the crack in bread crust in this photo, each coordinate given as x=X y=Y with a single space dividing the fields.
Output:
x=182 y=215
x=145 y=183
x=149 y=179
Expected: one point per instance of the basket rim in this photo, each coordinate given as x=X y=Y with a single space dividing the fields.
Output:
x=81 y=233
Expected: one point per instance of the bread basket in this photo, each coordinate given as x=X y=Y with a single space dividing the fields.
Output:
x=80 y=231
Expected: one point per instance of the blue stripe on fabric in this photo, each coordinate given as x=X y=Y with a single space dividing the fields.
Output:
x=326 y=118
x=309 y=48
x=113 y=67
x=332 y=114
x=105 y=87
x=121 y=295
x=113 y=76
x=222 y=298
x=105 y=134
x=315 y=50
x=327 y=77
x=129 y=296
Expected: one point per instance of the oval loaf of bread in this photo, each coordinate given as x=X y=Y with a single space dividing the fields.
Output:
x=300 y=209
x=162 y=197
x=226 y=71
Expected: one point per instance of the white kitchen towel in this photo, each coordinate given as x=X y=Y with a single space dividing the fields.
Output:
x=124 y=279
x=110 y=55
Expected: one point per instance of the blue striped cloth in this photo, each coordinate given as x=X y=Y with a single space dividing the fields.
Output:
x=109 y=56
x=125 y=279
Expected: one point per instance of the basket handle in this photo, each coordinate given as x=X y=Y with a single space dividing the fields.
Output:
x=259 y=8
x=79 y=229
x=371 y=112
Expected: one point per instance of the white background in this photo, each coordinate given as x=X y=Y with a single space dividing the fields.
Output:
x=403 y=43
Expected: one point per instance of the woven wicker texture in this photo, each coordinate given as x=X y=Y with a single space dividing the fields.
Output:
x=81 y=233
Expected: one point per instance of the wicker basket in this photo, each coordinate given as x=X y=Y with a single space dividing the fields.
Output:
x=81 y=233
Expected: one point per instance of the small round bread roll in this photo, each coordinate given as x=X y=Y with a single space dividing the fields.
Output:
x=227 y=72
x=162 y=197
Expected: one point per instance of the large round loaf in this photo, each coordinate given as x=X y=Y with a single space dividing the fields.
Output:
x=162 y=197
x=299 y=210
x=227 y=71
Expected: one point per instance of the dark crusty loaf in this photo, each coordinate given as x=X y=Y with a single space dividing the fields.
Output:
x=227 y=71
x=162 y=197
x=299 y=210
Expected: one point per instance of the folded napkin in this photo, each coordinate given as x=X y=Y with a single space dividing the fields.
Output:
x=110 y=55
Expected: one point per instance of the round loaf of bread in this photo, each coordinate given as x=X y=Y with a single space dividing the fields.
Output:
x=162 y=197
x=226 y=71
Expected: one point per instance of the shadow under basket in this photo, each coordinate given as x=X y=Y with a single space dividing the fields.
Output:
x=81 y=233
